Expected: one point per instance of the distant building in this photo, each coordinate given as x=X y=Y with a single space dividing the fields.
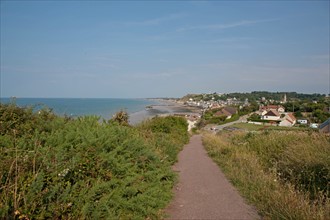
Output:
x=271 y=115
x=314 y=125
x=284 y=99
x=302 y=121
x=233 y=101
x=288 y=120
x=264 y=109
x=246 y=102
x=227 y=111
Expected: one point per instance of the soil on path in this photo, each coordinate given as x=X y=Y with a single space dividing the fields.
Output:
x=203 y=192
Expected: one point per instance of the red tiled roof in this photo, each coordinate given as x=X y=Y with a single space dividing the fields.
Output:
x=270 y=107
x=291 y=116
x=227 y=111
x=272 y=113
x=230 y=110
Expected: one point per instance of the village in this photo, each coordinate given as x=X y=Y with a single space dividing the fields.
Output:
x=263 y=111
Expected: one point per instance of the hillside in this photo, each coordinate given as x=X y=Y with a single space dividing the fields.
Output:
x=285 y=174
x=62 y=168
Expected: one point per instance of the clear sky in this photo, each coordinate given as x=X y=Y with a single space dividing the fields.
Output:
x=134 y=49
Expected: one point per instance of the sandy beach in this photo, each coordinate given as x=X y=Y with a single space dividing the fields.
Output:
x=164 y=107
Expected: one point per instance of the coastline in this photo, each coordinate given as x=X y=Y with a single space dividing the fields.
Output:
x=165 y=107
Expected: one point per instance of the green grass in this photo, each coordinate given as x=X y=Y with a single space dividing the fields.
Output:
x=255 y=127
x=284 y=174
x=61 y=168
x=235 y=117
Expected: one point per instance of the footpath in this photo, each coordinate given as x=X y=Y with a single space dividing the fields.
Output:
x=203 y=192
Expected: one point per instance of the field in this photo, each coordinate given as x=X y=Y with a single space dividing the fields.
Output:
x=284 y=174
x=63 y=168
x=255 y=127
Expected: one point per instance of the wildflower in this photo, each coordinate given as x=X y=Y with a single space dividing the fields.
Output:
x=64 y=172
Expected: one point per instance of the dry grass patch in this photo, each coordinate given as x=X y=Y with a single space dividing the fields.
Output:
x=285 y=175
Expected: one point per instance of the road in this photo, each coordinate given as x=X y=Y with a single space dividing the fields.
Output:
x=203 y=192
x=216 y=128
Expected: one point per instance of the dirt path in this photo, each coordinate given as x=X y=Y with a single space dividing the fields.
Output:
x=203 y=192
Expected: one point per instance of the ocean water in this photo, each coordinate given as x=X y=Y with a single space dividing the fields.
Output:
x=105 y=108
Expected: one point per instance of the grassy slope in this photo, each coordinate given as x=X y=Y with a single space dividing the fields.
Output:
x=52 y=167
x=255 y=127
x=284 y=174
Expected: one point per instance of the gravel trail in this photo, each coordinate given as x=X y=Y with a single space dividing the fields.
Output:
x=203 y=192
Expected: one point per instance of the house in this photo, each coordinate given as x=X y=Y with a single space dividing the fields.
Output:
x=278 y=108
x=302 y=121
x=285 y=123
x=227 y=111
x=264 y=109
x=232 y=101
x=215 y=105
x=288 y=120
x=325 y=126
x=271 y=115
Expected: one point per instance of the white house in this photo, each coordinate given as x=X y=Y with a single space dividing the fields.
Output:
x=288 y=121
x=285 y=123
x=265 y=109
x=271 y=115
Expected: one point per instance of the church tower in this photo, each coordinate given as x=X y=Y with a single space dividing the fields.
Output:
x=284 y=99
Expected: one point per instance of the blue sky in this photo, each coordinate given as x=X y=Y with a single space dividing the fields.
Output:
x=135 y=49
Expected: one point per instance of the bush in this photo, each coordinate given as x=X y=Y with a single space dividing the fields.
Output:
x=167 y=134
x=121 y=118
x=53 y=167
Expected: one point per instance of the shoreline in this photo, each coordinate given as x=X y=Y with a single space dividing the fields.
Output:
x=163 y=108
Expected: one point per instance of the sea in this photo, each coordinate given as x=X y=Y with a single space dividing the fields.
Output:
x=74 y=107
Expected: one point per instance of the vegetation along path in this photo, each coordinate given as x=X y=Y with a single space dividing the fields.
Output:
x=203 y=192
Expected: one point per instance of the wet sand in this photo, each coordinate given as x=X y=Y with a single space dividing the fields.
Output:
x=165 y=107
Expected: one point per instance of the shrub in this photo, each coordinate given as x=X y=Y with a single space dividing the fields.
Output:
x=121 y=117
x=167 y=134
x=53 y=167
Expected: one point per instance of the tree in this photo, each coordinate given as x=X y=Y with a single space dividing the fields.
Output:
x=121 y=117
x=298 y=114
